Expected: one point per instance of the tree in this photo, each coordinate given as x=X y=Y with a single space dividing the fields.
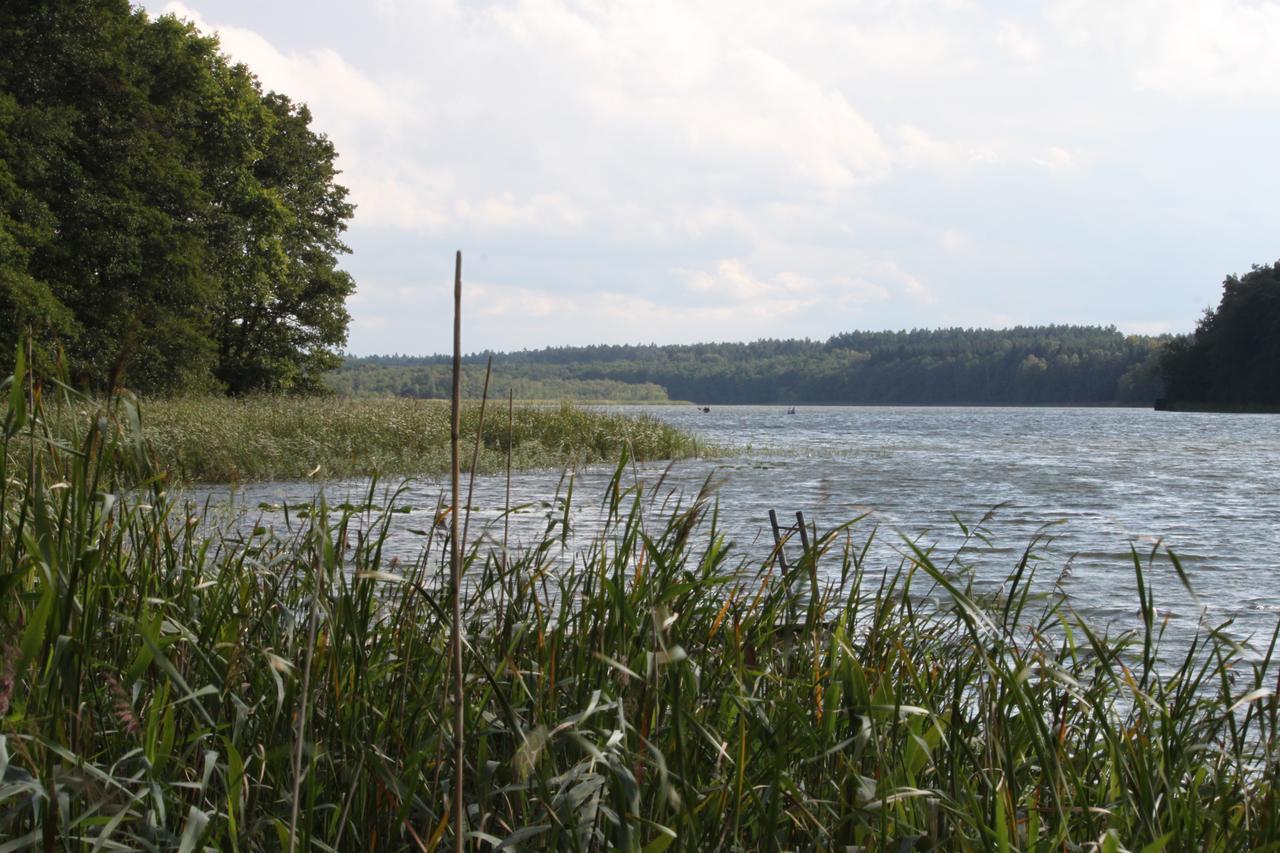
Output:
x=284 y=310
x=25 y=223
x=1232 y=359
x=158 y=212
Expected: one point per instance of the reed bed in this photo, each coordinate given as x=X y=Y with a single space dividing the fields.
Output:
x=217 y=439
x=166 y=686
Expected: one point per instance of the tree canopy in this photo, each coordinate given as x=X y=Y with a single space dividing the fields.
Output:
x=1232 y=359
x=161 y=216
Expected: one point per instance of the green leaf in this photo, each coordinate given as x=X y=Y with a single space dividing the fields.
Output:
x=524 y=833
x=193 y=831
x=661 y=842
x=1159 y=844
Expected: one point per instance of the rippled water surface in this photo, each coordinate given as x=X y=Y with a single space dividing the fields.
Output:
x=1104 y=480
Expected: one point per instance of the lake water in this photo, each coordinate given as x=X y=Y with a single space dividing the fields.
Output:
x=1103 y=481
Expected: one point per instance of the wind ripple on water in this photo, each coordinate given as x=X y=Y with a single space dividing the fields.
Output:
x=1102 y=484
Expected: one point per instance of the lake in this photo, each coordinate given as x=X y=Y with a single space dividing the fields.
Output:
x=1100 y=482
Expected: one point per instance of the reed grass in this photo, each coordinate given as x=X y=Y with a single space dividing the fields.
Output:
x=660 y=689
x=216 y=439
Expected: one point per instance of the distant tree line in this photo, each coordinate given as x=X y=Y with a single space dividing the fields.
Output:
x=162 y=219
x=1024 y=365
x=1232 y=359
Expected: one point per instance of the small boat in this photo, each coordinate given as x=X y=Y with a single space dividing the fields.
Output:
x=791 y=411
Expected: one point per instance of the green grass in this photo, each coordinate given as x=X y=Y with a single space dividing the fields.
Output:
x=216 y=439
x=166 y=686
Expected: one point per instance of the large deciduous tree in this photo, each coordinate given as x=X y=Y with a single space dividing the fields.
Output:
x=160 y=214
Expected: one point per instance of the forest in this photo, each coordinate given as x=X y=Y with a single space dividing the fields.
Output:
x=1232 y=359
x=1024 y=365
x=165 y=224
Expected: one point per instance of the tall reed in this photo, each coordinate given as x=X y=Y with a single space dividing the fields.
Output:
x=662 y=688
x=210 y=439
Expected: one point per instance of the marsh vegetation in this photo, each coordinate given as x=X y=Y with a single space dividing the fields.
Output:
x=221 y=439
x=168 y=682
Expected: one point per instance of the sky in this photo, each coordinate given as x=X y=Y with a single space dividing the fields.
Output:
x=675 y=172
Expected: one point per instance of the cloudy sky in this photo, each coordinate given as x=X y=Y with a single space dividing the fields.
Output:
x=684 y=171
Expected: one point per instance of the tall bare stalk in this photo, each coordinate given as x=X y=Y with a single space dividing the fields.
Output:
x=506 y=515
x=455 y=566
x=475 y=453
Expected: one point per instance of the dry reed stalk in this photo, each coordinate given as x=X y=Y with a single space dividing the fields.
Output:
x=506 y=515
x=455 y=564
x=475 y=453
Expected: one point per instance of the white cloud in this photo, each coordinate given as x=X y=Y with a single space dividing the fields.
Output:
x=663 y=122
x=341 y=98
x=730 y=281
x=878 y=278
x=857 y=290
x=1056 y=159
x=728 y=295
x=586 y=96
x=917 y=149
x=916 y=290
x=954 y=241
x=504 y=301
x=1202 y=48
x=872 y=280
x=666 y=75
x=535 y=314
x=1017 y=41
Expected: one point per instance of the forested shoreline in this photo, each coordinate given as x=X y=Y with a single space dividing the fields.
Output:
x=1231 y=362
x=1045 y=365
x=166 y=224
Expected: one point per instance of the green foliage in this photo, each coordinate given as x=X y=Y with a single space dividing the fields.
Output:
x=167 y=684
x=1046 y=364
x=161 y=219
x=219 y=439
x=1232 y=360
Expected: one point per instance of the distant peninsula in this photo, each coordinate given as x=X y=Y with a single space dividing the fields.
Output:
x=1231 y=362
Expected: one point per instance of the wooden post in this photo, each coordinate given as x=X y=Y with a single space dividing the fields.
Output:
x=455 y=569
x=777 y=540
